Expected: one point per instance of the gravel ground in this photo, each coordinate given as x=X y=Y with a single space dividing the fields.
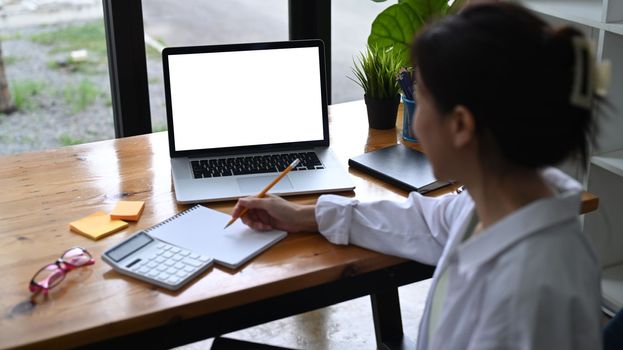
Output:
x=51 y=122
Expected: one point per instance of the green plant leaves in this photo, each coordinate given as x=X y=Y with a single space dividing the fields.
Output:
x=375 y=71
x=397 y=24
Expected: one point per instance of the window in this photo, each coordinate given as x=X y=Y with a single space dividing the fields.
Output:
x=55 y=63
x=196 y=22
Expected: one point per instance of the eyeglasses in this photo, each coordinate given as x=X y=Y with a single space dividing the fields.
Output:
x=51 y=275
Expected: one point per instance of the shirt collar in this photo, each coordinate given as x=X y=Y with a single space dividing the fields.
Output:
x=532 y=218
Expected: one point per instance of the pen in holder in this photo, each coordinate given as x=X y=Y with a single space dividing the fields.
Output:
x=406 y=82
x=407 y=119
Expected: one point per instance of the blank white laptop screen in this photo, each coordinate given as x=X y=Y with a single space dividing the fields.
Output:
x=244 y=98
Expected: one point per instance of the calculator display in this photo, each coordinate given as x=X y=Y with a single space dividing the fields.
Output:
x=130 y=246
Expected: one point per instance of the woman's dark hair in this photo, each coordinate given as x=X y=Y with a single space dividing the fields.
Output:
x=515 y=74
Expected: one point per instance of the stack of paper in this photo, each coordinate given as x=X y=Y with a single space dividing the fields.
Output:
x=128 y=210
x=97 y=225
x=100 y=224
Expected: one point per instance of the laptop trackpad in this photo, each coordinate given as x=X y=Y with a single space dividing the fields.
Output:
x=256 y=184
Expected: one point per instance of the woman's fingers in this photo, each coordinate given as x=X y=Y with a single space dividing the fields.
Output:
x=263 y=217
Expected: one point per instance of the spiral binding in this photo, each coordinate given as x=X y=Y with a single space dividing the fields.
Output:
x=172 y=218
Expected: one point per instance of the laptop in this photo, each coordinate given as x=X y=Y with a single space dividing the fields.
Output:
x=239 y=114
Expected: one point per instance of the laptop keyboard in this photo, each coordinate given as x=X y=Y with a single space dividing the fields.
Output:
x=270 y=163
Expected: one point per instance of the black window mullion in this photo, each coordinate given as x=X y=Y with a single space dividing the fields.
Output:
x=127 y=62
x=311 y=19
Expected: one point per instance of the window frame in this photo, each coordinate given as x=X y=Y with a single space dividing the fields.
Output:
x=127 y=61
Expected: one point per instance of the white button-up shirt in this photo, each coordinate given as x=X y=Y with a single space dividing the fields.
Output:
x=529 y=281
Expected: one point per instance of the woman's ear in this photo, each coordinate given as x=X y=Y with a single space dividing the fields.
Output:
x=462 y=126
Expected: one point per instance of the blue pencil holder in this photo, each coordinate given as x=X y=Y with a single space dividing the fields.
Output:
x=407 y=119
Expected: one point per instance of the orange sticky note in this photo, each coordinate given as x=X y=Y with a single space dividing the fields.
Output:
x=97 y=225
x=128 y=210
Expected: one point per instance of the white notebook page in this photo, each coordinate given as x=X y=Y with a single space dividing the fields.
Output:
x=200 y=229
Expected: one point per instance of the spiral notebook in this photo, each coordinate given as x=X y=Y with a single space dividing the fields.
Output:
x=200 y=230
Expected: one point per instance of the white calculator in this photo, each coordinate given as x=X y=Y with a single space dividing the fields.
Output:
x=154 y=261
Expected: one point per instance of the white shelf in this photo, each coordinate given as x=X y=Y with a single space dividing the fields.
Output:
x=584 y=12
x=611 y=161
x=603 y=19
x=614 y=27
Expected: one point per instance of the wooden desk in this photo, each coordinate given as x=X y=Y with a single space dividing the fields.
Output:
x=43 y=191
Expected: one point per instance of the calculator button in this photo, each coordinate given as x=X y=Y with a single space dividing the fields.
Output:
x=173 y=280
x=171 y=270
x=159 y=259
x=169 y=262
x=184 y=253
x=178 y=265
x=181 y=274
x=203 y=259
x=161 y=267
x=189 y=269
x=144 y=270
x=163 y=276
x=152 y=264
x=166 y=247
x=177 y=257
x=160 y=245
x=175 y=250
x=160 y=252
x=192 y=262
x=167 y=254
x=153 y=273
x=194 y=256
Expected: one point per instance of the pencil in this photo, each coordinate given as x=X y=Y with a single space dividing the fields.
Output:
x=265 y=190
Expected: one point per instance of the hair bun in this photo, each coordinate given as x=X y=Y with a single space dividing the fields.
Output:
x=521 y=83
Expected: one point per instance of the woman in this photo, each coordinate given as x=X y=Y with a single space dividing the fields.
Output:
x=501 y=97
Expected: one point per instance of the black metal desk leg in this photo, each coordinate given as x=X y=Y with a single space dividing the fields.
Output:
x=388 y=320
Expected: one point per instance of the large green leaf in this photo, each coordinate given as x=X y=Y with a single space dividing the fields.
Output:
x=396 y=25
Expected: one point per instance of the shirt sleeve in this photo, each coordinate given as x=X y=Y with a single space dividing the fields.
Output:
x=417 y=228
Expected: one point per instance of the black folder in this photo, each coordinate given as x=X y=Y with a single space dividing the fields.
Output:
x=400 y=166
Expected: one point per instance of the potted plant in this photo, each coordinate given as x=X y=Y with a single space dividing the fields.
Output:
x=375 y=71
x=395 y=27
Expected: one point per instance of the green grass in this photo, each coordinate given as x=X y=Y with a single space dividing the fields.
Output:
x=9 y=60
x=53 y=65
x=153 y=53
x=26 y=139
x=9 y=37
x=68 y=140
x=159 y=127
x=90 y=36
x=85 y=67
x=80 y=96
x=23 y=93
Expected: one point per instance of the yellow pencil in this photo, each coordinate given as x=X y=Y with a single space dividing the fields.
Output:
x=266 y=189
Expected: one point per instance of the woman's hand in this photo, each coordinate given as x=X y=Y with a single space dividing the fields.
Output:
x=275 y=213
